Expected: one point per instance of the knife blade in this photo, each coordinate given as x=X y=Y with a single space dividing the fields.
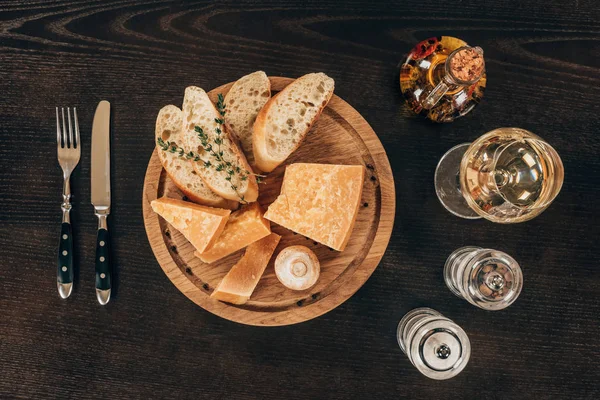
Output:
x=100 y=184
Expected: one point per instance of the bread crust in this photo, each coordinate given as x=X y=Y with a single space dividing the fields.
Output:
x=263 y=160
x=213 y=202
x=221 y=203
x=251 y=193
x=236 y=93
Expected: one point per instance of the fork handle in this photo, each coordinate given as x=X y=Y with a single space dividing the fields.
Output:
x=64 y=273
x=103 y=262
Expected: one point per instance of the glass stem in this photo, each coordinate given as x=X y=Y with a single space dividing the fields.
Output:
x=458 y=187
x=501 y=177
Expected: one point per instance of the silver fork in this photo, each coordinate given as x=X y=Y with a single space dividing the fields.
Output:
x=69 y=151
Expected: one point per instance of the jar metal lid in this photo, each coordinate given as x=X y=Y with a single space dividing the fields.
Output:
x=440 y=349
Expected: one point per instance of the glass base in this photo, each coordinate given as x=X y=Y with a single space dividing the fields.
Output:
x=447 y=186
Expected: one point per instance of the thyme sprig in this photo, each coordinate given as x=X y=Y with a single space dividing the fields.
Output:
x=221 y=164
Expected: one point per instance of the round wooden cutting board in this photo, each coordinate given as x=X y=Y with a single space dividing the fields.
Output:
x=340 y=136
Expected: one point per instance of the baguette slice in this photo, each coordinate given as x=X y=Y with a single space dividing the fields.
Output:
x=244 y=100
x=239 y=283
x=200 y=225
x=169 y=128
x=198 y=110
x=244 y=227
x=285 y=120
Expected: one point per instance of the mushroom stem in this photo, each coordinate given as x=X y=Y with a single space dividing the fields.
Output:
x=297 y=267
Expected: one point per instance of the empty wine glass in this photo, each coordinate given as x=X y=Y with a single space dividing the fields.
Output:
x=507 y=175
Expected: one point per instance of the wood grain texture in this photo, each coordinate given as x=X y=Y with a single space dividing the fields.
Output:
x=340 y=136
x=543 y=65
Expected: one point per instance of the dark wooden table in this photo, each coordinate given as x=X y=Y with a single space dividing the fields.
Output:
x=543 y=60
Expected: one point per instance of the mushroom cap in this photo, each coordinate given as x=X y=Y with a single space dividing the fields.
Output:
x=297 y=267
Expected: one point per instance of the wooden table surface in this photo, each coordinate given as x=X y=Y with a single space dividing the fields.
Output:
x=543 y=61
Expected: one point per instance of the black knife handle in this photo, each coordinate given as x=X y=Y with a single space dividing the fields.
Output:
x=64 y=272
x=103 y=262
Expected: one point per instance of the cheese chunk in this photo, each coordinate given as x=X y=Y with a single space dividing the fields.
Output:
x=319 y=201
x=241 y=280
x=244 y=227
x=200 y=225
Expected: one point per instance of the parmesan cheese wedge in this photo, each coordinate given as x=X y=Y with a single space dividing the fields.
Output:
x=200 y=225
x=244 y=227
x=239 y=283
x=319 y=201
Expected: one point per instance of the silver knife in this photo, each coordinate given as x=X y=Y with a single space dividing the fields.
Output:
x=101 y=198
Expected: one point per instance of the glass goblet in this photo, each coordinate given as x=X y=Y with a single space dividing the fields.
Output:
x=508 y=175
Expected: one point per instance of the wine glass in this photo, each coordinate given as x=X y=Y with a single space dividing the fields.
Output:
x=508 y=175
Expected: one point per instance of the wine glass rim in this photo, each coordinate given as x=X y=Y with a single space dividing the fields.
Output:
x=527 y=135
x=537 y=140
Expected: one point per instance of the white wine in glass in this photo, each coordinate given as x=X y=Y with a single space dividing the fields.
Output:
x=507 y=175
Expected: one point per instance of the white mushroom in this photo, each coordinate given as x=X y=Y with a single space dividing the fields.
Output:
x=297 y=267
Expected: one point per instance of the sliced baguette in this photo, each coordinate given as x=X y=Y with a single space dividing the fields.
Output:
x=198 y=110
x=244 y=100
x=169 y=128
x=285 y=120
x=241 y=280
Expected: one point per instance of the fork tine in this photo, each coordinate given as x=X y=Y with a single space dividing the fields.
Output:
x=76 y=127
x=57 y=128
x=64 y=128
x=71 y=144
